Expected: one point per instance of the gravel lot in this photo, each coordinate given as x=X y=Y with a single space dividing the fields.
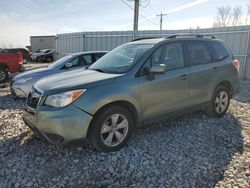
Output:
x=193 y=151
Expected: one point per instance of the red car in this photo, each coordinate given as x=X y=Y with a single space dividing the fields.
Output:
x=10 y=63
x=25 y=53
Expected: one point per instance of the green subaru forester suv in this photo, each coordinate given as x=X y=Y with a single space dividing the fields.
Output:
x=135 y=84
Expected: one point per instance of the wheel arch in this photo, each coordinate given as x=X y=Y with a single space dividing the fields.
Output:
x=3 y=65
x=227 y=84
x=126 y=104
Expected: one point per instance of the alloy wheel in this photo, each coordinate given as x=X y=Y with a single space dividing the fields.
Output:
x=114 y=130
x=2 y=75
x=221 y=102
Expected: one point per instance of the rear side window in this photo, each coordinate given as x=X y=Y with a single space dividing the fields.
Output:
x=87 y=59
x=219 y=51
x=98 y=56
x=198 y=53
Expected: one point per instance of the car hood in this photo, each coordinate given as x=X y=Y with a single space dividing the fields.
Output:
x=74 y=80
x=40 y=72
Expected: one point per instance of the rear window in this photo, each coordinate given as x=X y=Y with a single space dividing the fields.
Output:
x=219 y=51
x=198 y=53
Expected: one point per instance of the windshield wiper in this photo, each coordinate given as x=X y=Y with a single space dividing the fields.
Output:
x=98 y=70
x=106 y=71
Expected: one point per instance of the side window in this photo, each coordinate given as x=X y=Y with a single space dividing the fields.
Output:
x=169 y=54
x=198 y=53
x=76 y=62
x=172 y=56
x=219 y=51
x=87 y=60
x=98 y=56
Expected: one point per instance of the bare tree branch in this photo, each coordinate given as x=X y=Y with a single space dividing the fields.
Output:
x=247 y=14
x=223 y=16
x=236 y=15
x=226 y=16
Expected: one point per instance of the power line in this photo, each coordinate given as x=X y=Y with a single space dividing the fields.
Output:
x=139 y=13
x=146 y=5
x=161 y=18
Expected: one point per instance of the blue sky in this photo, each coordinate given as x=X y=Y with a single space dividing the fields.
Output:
x=20 y=19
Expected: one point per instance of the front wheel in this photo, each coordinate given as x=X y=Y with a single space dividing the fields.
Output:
x=111 y=128
x=39 y=59
x=219 y=102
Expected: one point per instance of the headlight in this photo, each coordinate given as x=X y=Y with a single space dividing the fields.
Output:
x=63 y=99
x=23 y=80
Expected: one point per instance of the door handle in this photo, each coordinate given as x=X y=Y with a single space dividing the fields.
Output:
x=183 y=77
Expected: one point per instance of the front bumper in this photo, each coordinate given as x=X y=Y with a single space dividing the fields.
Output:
x=18 y=90
x=58 y=126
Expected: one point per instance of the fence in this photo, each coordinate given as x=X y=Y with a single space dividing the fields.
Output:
x=237 y=38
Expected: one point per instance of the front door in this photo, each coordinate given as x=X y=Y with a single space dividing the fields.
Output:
x=168 y=92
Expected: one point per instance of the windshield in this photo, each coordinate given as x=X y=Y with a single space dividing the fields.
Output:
x=60 y=62
x=121 y=59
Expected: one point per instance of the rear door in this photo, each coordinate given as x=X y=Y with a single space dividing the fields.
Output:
x=202 y=71
x=168 y=92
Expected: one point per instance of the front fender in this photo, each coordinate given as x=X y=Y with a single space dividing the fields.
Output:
x=96 y=98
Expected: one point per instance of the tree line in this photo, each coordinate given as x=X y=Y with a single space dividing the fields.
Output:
x=232 y=16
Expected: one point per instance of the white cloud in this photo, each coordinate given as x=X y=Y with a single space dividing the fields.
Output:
x=202 y=22
x=179 y=8
x=186 y=6
x=15 y=34
x=199 y=22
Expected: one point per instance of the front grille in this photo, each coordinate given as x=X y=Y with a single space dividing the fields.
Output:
x=33 y=98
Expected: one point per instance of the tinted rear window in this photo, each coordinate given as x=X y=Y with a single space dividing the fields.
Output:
x=198 y=53
x=219 y=51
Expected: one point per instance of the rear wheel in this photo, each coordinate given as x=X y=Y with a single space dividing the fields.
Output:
x=220 y=102
x=25 y=61
x=111 y=128
x=3 y=75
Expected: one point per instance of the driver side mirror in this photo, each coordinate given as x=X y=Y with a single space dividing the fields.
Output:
x=158 y=69
x=68 y=65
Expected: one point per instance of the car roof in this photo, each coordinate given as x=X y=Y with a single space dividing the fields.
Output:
x=88 y=52
x=148 y=40
x=174 y=38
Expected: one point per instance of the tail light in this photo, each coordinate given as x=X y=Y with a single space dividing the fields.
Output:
x=20 y=58
x=236 y=64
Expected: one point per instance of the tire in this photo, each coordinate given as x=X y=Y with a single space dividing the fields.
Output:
x=219 y=103
x=39 y=59
x=49 y=59
x=104 y=132
x=3 y=75
x=25 y=61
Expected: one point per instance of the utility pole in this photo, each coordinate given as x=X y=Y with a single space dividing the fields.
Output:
x=136 y=14
x=161 y=15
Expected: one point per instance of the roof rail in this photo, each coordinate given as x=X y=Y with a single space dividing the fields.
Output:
x=143 y=38
x=190 y=35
